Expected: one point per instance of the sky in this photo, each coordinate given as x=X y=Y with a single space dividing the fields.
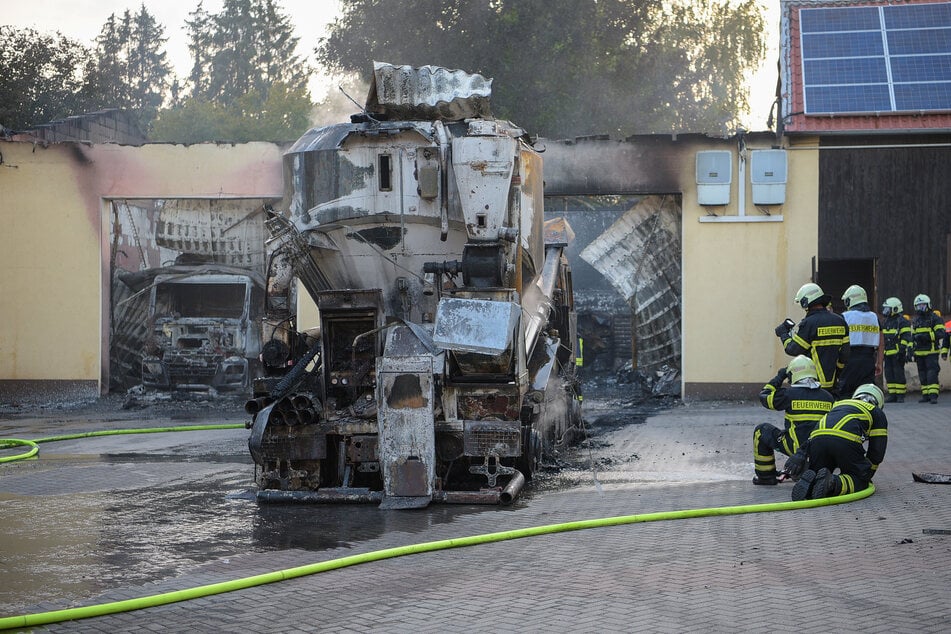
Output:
x=83 y=19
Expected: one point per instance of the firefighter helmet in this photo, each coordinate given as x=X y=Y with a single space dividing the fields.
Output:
x=922 y=303
x=854 y=295
x=809 y=294
x=892 y=306
x=870 y=394
x=800 y=368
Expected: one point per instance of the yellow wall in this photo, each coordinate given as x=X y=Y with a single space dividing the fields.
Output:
x=54 y=249
x=740 y=278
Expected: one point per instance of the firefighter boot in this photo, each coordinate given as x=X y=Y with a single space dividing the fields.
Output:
x=766 y=479
x=803 y=487
x=934 y=399
x=824 y=485
x=924 y=399
x=891 y=399
x=900 y=398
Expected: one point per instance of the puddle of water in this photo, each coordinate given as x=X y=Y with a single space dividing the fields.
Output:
x=65 y=548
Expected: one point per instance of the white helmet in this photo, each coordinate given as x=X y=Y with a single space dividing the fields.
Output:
x=922 y=303
x=854 y=295
x=870 y=394
x=809 y=294
x=800 y=368
x=892 y=306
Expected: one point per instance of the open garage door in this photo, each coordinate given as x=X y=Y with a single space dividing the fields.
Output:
x=626 y=266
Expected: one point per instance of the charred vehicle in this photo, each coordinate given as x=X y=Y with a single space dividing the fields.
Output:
x=444 y=365
x=205 y=329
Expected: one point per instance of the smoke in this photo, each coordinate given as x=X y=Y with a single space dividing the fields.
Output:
x=336 y=106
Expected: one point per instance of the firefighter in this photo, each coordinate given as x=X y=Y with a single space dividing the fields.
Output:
x=865 y=338
x=928 y=340
x=896 y=331
x=838 y=443
x=804 y=401
x=822 y=335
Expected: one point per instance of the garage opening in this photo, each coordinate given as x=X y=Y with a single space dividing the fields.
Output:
x=626 y=267
x=186 y=293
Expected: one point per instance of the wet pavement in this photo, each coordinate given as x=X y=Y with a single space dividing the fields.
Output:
x=109 y=518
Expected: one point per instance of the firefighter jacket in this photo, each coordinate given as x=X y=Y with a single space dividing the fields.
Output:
x=928 y=336
x=897 y=332
x=857 y=421
x=823 y=336
x=805 y=404
x=864 y=328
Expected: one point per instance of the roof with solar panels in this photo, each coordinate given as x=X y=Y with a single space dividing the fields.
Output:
x=865 y=67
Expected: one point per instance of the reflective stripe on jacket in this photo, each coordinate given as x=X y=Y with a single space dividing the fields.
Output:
x=823 y=336
x=857 y=421
x=927 y=332
x=897 y=332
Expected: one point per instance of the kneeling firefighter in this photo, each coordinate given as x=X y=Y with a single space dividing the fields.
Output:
x=805 y=403
x=838 y=443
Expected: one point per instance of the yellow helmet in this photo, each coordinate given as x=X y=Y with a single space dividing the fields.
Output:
x=809 y=294
x=870 y=394
x=800 y=368
x=854 y=295
x=892 y=306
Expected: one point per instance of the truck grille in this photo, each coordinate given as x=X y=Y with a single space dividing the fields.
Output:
x=497 y=438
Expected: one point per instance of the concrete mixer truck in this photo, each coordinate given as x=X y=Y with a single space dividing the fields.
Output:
x=444 y=365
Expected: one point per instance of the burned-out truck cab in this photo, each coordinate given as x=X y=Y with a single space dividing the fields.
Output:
x=444 y=367
x=205 y=331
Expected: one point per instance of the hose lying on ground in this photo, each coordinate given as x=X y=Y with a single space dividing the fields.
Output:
x=127 y=605
x=6 y=443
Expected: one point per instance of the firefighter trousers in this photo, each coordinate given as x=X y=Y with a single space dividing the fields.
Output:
x=768 y=439
x=895 y=374
x=859 y=370
x=928 y=374
x=832 y=452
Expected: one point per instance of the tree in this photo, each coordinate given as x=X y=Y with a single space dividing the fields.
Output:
x=43 y=77
x=246 y=48
x=246 y=84
x=571 y=67
x=282 y=116
x=132 y=72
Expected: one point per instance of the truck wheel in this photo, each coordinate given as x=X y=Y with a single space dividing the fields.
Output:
x=531 y=452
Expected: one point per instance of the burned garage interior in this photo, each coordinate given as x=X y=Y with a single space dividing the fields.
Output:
x=188 y=281
x=187 y=294
x=626 y=263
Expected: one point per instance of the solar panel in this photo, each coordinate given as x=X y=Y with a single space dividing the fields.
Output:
x=876 y=58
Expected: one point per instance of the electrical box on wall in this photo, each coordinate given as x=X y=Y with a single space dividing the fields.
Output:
x=714 y=175
x=768 y=176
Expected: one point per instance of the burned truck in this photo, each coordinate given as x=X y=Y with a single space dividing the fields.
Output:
x=444 y=365
x=205 y=328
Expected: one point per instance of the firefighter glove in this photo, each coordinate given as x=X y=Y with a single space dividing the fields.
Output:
x=782 y=330
x=780 y=377
x=796 y=463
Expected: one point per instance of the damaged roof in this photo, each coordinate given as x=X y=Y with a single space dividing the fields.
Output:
x=427 y=93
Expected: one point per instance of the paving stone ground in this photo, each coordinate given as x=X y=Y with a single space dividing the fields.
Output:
x=881 y=564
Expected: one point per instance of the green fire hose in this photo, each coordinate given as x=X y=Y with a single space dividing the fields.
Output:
x=115 y=607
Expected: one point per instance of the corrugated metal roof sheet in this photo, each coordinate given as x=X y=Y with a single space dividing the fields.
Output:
x=428 y=92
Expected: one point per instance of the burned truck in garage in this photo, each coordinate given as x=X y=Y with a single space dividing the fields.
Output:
x=444 y=365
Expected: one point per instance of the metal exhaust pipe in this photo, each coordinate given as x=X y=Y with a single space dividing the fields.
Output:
x=512 y=489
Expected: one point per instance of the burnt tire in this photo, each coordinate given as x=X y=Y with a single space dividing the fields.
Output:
x=527 y=463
